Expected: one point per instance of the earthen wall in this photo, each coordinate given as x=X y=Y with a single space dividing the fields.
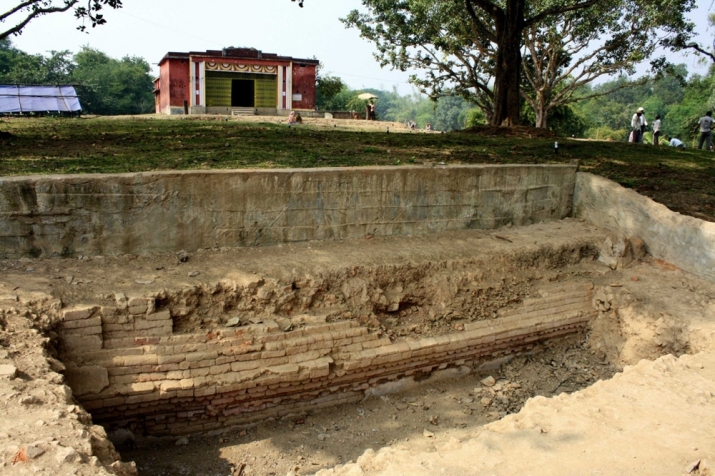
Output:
x=137 y=213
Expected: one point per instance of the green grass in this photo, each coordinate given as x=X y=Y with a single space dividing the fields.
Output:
x=684 y=180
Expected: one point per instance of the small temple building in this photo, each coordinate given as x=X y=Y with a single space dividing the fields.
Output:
x=234 y=80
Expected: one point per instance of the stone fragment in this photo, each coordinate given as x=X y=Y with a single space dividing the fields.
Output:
x=486 y=401
x=121 y=468
x=428 y=434
x=692 y=466
x=489 y=381
x=638 y=247
x=69 y=279
x=34 y=451
x=30 y=400
x=56 y=365
x=144 y=281
x=323 y=436
x=8 y=298
x=182 y=442
x=233 y=322
x=193 y=274
x=182 y=256
x=67 y=455
x=121 y=300
x=8 y=371
x=122 y=438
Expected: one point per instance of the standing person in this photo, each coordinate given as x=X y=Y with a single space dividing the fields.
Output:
x=637 y=126
x=656 y=129
x=644 y=123
x=706 y=124
x=373 y=117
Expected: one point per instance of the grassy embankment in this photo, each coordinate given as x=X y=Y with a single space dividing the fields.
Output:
x=684 y=180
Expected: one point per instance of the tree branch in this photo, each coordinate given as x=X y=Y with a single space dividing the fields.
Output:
x=558 y=11
x=477 y=22
x=31 y=16
x=697 y=48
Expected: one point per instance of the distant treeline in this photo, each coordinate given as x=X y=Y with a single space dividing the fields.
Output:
x=113 y=87
x=104 y=85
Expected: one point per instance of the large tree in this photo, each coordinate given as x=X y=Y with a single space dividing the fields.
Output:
x=564 y=53
x=19 y=15
x=476 y=45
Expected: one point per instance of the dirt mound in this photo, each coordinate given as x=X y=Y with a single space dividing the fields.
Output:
x=516 y=131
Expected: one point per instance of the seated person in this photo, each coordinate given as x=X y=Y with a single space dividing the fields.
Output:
x=298 y=118
x=677 y=143
x=428 y=127
x=291 y=118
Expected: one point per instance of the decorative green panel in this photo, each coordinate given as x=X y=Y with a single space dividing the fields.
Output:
x=218 y=88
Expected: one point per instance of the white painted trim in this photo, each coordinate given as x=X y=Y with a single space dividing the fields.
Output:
x=202 y=82
x=280 y=88
x=192 y=83
x=289 y=87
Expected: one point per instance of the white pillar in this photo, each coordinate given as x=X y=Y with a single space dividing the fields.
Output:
x=280 y=87
x=289 y=87
x=192 y=83
x=202 y=82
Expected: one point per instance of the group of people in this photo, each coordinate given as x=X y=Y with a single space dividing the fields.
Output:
x=639 y=125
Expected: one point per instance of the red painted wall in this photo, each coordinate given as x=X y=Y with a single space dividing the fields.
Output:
x=304 y=83
x=163 y=84
x=179 y=79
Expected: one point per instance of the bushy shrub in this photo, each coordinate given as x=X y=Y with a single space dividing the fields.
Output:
x=606 y=133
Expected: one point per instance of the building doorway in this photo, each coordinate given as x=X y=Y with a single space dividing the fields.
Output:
x=243 y=93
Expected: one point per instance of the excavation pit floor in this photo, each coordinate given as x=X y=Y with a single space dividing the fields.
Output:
x=644 y=309
x=438 y=409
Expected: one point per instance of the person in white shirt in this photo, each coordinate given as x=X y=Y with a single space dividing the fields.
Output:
x=638 y=124
x=677 y=143
x=706 y=124
x=656 y=129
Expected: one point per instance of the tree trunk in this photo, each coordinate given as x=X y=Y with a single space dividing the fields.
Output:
x=509 y=28
x=542 y=112
x=542 y=117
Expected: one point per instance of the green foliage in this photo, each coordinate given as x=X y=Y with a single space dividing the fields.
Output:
x=327 y=88
x=460 y=48
x=606 y=133
x=17 y=67
x=104 y=85
x=475 y=117
x=678 y=101
x=111 y=87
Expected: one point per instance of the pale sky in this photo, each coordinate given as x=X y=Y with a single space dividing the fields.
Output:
x=151 y=28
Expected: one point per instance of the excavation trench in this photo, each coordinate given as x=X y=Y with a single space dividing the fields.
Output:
x=242 y=351
x=308 y=363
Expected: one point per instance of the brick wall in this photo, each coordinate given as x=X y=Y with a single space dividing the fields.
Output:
x=128 y=368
